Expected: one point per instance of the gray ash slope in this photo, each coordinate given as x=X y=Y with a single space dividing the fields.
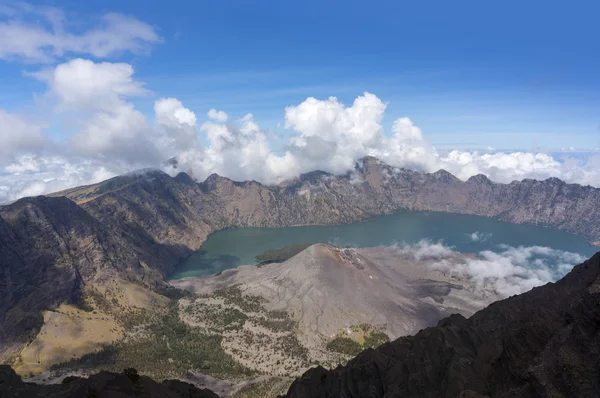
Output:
x=545 y=342
x=327 y=289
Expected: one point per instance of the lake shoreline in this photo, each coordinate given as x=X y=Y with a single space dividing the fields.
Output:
x=236 y=246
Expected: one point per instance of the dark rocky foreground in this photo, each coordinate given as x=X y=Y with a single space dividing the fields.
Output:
x=100 y=385
x=545 y=343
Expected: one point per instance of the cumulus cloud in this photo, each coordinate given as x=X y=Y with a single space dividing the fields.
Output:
x=331 y=136
x=176 y=126
x=95 y=95
x=41 y=34
x=507 y=271
x=216 y=115
x=81 y=84
x=111 y=136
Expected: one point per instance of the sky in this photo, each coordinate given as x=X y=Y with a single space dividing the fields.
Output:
x=266 y=90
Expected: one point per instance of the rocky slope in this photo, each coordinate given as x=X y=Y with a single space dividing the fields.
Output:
x=51 y=250
x=545 y=342
x=325 y=297
x=327 y=289
x=103 y=384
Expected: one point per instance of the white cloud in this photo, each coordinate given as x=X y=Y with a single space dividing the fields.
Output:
x=41 y=34
x=18 y=135
x=176 y=126
x=95 y=95
x=84 y=85
x=111 y=137
x=479 y=236
x=216 y=115
x=509 y=271
x=332 y=136
x=33 y=175
x=425 y=249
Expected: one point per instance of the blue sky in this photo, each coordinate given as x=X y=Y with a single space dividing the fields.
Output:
x=471 y=74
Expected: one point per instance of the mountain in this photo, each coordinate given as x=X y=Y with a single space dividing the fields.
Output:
x=327 y=289
x=327 y=297
x=545 y=342
x=52 y=252
x=131 y=230
x=103 y=384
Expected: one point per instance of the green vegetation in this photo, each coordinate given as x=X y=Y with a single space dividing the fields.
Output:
x=218 y=317
x=276 y=325
x=246 y=302
x=344 y=345
x=375 y=339
x=161 y=346
x=281 y=254
x=358 y=338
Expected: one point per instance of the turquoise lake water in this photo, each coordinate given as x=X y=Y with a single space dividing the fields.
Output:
x=233 y=247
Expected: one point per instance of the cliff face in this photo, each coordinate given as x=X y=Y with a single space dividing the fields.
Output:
x=545 y=342
x=50 y=248
x=140 y=225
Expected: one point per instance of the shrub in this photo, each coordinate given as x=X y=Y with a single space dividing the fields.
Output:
x=344 y=345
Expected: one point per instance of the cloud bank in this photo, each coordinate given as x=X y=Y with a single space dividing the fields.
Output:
x=508 y=271
x=111 y=136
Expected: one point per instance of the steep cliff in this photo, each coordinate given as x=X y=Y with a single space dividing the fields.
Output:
x=50 y=250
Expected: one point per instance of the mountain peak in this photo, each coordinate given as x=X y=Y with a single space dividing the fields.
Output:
x=479 y=178
x=445 y=176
